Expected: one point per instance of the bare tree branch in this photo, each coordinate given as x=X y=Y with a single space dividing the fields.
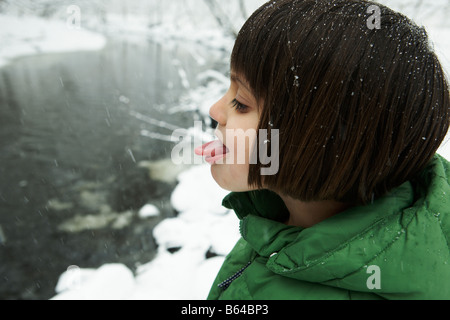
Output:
x=243 y=9
x=221 y=18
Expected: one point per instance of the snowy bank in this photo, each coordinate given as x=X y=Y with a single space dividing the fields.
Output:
x=191 y=249
x=28 y=35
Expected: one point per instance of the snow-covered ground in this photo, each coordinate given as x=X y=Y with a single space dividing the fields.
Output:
x=203 y=225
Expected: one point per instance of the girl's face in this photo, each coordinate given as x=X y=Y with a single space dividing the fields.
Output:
x=237 y=116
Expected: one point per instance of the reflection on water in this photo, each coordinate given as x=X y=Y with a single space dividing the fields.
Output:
x=73 y=166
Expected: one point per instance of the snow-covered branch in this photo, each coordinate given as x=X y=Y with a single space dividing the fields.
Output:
x=221 y=17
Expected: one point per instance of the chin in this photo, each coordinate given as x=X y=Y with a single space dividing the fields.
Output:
x=227 y=180
x=217 y=175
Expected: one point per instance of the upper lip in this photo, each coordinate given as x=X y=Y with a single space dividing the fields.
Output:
x=219 y=134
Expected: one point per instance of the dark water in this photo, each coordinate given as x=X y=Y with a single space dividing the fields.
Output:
x=74 y=168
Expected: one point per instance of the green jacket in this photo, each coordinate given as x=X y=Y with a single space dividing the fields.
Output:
x=395 y=248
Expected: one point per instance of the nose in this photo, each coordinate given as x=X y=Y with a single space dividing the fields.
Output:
x=218 y=113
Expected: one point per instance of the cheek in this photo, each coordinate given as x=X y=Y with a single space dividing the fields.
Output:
x=242 y=148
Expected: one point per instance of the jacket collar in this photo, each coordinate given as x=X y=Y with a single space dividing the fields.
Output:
x=261 y=214
x=261 y=203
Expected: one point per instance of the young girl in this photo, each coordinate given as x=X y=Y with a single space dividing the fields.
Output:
x=360 y=205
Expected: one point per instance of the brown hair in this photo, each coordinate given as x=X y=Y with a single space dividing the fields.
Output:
x=359 y=110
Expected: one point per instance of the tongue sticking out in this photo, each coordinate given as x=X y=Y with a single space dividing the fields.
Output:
x=213 y=151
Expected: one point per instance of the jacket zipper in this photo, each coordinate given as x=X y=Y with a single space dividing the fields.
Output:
x=225 y=284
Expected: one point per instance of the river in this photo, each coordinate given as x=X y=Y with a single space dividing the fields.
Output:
x=74 y=167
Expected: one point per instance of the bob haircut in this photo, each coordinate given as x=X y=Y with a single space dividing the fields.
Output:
x=359 y=110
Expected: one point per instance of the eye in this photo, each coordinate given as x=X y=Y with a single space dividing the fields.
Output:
x=239 y=106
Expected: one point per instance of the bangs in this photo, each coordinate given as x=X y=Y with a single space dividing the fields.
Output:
x=256 y=49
